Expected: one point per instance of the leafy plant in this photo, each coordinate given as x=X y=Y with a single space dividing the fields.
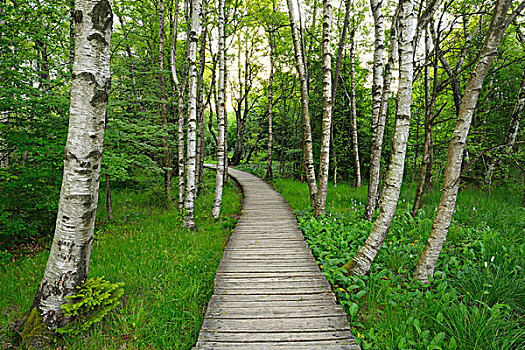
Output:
x=93 y=301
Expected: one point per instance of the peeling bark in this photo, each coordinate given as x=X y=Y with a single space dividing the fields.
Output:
x=193 y=37
x=269 y=173
x=378 y=131
x=68 y=263
x=324 y=163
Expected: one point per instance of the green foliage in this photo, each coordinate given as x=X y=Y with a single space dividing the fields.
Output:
x=94 y=299
x=168 y=271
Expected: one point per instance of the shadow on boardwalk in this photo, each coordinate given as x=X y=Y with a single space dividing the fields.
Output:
x=269 y=292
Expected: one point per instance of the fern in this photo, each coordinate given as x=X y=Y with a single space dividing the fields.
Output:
x=95 y=298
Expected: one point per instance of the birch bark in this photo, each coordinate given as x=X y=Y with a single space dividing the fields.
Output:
x=68 y=263
x=180 y=89
x=438 y=233
x=221 y=117
x=269 y=173
x=353 y=114
x=193 y=38
x=377 y=86
x=362 y=261
x=324 y=162
x=424 y=182
x=308 y=157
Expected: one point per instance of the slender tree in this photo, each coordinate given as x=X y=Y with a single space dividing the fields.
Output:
x=221 y=115
x=324 y=163
x=193 y=38
x=362 y=261
x=68 y=263
x=271 y=39
x=377 y=128
x=308 y=159
x=447 y=203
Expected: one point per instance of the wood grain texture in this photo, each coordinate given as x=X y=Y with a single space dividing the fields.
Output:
x=269 y=292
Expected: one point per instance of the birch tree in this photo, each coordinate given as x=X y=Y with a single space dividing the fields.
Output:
x=193 y=38
x=327 y=110
x=221 y=116
x=68 y=263
x=362 y=261
x=180 y=88
x=377 y=128
x=447 y=203
x=269 y=173
x=305 y=113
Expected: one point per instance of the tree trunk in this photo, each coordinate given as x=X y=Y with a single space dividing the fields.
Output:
x=362 y=261
x=181 y=88
x=438 y=233
x=308 y=158
x=377 y=129
x=222 y=155
x=324 y=163
x=269 y=173
x=193 y=38
x=68 y=263
x=424 y=182
x=353 y=114
x=200 y=107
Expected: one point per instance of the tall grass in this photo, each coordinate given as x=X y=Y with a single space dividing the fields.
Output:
x=168 y=271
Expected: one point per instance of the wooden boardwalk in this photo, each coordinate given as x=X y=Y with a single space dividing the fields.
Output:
x=269 y=292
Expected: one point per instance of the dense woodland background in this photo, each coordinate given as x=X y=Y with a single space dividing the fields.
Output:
x=146 y=124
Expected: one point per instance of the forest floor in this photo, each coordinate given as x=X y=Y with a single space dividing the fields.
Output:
x=477 y=297
x=168 y=271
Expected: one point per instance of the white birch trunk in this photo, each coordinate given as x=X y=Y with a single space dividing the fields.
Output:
x=353 y=115
x=68 y=263
x=306 y=127
x=362 y=261
x=193 y=38
x=221 y=117
x=447 y=203
x=377 y=86
x=269 y=172
x=180 y=88
x=324 y=163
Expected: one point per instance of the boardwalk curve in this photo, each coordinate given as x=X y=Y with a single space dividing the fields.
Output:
x=269 y=292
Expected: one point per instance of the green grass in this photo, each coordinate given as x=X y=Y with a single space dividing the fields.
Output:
x=477 y=297
x=168 y=271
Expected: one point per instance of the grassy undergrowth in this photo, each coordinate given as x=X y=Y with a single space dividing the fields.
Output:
x=168 y=272
x=477 y=297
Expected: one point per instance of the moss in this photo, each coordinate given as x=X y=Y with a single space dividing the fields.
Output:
x=35 y=334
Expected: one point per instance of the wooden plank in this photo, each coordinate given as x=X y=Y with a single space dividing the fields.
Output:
x=268 y=291
x=250 y=337
x=277 y=324
x=259 y=312
x=346 y=344
x=328 y=296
